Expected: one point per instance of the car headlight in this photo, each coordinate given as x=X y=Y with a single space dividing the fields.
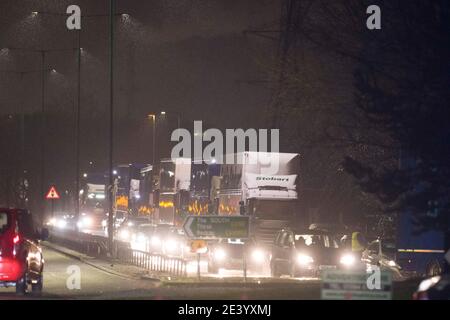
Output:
x=258 y=255
x=304 y=259
x=51 y=222
x=87 y=221
x=171 y=245
x=219 y=254
x=61 y=223
x=141 y=238
x=156 y=241
x=124 y=234
x=348 y=259
x=428 y=283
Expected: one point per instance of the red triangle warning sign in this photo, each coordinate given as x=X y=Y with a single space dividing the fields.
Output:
x=52 y=194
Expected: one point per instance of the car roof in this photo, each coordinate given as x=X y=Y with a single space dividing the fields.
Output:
x=308 y=232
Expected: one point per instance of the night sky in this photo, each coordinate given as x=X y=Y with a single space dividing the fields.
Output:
x=184 y=57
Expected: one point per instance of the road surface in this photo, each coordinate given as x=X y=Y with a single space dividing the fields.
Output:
x=99 y=284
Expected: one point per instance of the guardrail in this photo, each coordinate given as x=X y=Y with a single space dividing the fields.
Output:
x=97 y=246
x=82 y=242
x=153 y=262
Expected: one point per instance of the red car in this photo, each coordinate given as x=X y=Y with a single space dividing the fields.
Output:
x=21 y=260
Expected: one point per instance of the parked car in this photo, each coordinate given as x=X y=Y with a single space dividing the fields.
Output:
x=229 y=254
x=308 y=252
x=21 y=260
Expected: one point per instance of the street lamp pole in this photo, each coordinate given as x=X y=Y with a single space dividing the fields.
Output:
x=77 y=133
x=111 y=128
x=153 y=117
x=43 y=130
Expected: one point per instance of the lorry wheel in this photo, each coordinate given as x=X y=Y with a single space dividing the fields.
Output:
x=36 y=288
x=434 y=269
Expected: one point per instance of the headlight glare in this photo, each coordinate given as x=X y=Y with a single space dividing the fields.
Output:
x=219 y=254
x=348 y=259
x=304 y=259
x=258 y=255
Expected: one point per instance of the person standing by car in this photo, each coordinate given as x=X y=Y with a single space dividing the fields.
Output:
x=359 y=243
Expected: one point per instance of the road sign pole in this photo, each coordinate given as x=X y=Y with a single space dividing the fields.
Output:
x=244 y=261
x=198 y=265
x=53 y=207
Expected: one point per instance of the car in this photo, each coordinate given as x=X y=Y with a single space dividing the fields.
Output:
x=140 y=236
x=158 y=239
x=62 y=222
x=92 y=221
x=434 y=288
x=168 y=240
x=129 y=227
x=230 y=254
x=308 y=252
x=119 y=218
x=21 y=259
x=437 y=287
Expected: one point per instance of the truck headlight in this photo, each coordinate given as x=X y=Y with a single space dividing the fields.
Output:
x=219 y=254
x=303 y=259
x=258 y=255
x=348 y=260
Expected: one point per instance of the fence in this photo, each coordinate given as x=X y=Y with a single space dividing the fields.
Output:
x=153 y=262
x=97 y=246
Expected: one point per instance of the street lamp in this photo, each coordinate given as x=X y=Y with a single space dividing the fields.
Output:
x=80 y=50
x=153 y=117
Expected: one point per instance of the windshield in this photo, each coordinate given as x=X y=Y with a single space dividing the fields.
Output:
x=311 y=240
x=273 y=209
x=4 y=221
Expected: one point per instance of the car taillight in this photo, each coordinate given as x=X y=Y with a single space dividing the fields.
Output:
x=16 y=239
